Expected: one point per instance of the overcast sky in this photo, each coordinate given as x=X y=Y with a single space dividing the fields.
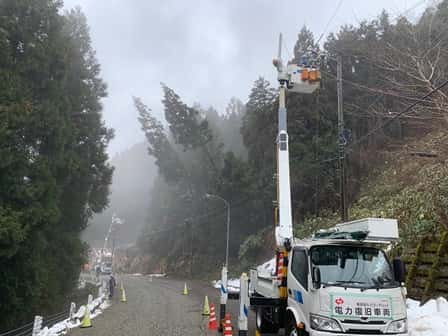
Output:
x=206 y=50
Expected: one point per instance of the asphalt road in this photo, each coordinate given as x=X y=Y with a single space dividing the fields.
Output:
x=158 y=307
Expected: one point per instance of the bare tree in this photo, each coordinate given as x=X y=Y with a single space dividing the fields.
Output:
x=414 y=63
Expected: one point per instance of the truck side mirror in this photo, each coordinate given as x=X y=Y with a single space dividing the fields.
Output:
x=316 y=278
x=399 y=270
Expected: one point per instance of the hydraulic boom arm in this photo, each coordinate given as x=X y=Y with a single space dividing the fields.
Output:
x=292 y=77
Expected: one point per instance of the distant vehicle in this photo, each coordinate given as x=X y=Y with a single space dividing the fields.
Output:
x=106 y=268
x=106 y=262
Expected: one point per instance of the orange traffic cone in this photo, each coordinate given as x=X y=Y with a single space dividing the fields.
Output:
x=228 y=326
x=212 y=323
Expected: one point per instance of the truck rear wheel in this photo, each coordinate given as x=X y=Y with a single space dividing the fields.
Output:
x=263 y=320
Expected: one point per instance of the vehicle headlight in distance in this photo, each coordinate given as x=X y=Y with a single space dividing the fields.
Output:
x=397 y=327
x=322 y=323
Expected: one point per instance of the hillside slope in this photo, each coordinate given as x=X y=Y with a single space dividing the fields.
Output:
x=411 y=185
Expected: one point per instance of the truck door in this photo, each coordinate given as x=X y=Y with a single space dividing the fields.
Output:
x=298 y=283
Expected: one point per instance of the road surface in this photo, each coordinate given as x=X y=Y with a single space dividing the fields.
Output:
x=158 y=307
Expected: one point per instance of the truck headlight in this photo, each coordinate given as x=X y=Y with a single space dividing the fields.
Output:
x=322 y=323
x=397 y=327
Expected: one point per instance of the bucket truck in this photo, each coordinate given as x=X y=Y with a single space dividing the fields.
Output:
x=337 y=282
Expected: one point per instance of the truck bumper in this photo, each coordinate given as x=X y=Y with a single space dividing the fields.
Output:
x=261 y=301
x=326 y=333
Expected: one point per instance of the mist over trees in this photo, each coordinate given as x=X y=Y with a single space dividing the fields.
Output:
x=54 y=172
x=387 y=65
x=130 y=194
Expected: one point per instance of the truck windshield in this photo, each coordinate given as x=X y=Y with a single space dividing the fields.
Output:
x=353 y=266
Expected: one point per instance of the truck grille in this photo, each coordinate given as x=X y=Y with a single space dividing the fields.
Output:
x=365 y=332
x=377 y=322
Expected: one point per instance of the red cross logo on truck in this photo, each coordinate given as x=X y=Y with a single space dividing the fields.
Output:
x=339 y=301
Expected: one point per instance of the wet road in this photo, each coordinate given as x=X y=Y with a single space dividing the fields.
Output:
x=158 y=307
x=154 y=308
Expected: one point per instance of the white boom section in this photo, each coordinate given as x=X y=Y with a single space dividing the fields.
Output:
x=283 y=231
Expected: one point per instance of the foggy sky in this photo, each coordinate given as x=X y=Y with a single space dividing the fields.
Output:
x=206 y=50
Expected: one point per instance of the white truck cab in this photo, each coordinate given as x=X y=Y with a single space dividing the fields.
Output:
x=338 y=282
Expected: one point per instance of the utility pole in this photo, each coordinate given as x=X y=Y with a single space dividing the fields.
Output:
x=114 y=232
x=227 y=224
x=189 y=229
x=342 y=141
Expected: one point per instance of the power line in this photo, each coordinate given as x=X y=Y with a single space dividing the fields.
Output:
x=418 y=3
x=287 y=50
x=330 y=20
x=212 y=213
x=397 y=15
x=407 y=109
x=371 y=89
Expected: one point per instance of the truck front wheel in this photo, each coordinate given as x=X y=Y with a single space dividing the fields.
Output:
x=291 y=328
x=264 y=321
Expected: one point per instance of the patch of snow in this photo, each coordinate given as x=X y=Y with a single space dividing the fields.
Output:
x=61 y=328
x=233 y=285
x=80 y=313
x=216 y=284
x=431 y=319
x=58 y=328
x=157 y=275
x=268 y=268
x=106 y=304
x=96 y=313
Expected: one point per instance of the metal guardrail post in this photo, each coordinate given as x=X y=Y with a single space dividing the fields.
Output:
x=72 y=311
x=244 y=305
x=89 y=302
x=37 y=325
x=223 y=299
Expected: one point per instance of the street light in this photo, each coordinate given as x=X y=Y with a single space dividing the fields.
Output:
x=224 y=291
x=228 y=223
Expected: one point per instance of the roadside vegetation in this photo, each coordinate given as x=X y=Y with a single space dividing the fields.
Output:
x=53 y=173
x=410 y=187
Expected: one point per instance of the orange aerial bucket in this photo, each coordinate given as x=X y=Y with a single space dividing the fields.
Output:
x=305 y=74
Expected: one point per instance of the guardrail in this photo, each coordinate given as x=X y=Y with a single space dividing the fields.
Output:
x=42 y=325
x=24 y=330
